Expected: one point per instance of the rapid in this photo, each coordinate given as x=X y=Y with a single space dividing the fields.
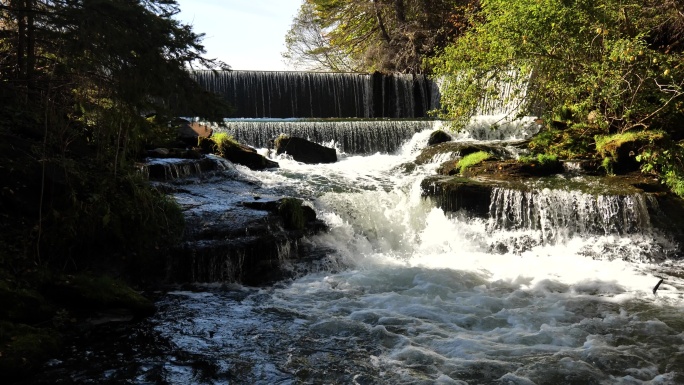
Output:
x=404 y=293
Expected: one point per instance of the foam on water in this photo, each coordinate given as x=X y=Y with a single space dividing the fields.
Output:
x=419 y=296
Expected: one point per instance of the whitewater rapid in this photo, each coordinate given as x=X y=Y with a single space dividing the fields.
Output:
x=408 y=294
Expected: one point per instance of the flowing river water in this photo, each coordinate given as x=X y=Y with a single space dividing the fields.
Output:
x=408 y=294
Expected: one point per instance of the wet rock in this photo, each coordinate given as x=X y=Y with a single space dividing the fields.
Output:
x=234 y=234
x=181 y=153
x=640 y=204
x=165 y=169
x=244 y=155
x=459 y=149
x=305 y=151
x=190 y=131
x=452 y=194
x=439 y=136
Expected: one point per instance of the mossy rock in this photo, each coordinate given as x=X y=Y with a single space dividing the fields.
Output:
x=462 y=149
x=22 y=304
x=244 y=155
x=295 y=215
x=90 y=293
x=24 y=348
x=619 y=151
x=540 y=165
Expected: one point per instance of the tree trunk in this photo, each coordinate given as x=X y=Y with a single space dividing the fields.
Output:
x=381 y=24
x=30 y=40
x=400 y=11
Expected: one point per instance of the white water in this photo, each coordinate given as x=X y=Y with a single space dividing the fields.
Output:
x=412 y=295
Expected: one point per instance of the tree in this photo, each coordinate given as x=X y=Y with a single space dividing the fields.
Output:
x=377 y=35
x=583 y=57
x=596 y=68
x=85 y=85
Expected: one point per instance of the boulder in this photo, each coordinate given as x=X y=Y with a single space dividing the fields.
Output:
x=305 y=151
x=438 y=137
x=243 y=154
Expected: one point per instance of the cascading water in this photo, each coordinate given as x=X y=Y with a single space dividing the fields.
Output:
x=256 y=94
x=409 y=294
x=349 y=136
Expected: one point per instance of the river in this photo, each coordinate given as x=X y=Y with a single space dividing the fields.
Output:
x=409 y=294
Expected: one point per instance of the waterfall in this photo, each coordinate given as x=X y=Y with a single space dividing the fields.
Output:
x=282 y=94
x=349 y=136
x=568 y=212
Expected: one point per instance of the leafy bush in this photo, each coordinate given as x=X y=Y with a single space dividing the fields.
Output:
x=583 y=61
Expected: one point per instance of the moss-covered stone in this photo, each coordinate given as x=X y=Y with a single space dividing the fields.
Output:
x=473 y=159
x=620 y=151
x=295 y=215
x=228 y=148
x=22 y=304
x=541 y=165
x=91 y=293
x=24 y=348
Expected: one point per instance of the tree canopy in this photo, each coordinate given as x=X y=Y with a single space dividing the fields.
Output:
x=377 y=35
x=602 y=67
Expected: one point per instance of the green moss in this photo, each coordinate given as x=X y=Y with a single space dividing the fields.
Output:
x=290 y=209
x=542 y=163
x=22 y=304
x=472 y=160
x=608 y=145
x=623 y=152
x=276 y=142
x=93 y=292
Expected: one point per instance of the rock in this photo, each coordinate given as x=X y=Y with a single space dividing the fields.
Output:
x=253 y=242
x=192 y=130
x=305 y=151
x=244 y=155
x=169 y=169
x=452 y=194
x=438 y=137
x=460 y=149
x=181 y=153
x=86 y=293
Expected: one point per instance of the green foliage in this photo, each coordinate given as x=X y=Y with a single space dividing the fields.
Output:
x=574 y=142
x=668 y=162
x=77 y=80
x=574 y=58
x=472 y=160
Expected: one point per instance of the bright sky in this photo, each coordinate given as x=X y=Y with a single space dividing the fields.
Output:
x=245 y=34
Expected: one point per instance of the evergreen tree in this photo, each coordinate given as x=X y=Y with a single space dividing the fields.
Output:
x=85 y=84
